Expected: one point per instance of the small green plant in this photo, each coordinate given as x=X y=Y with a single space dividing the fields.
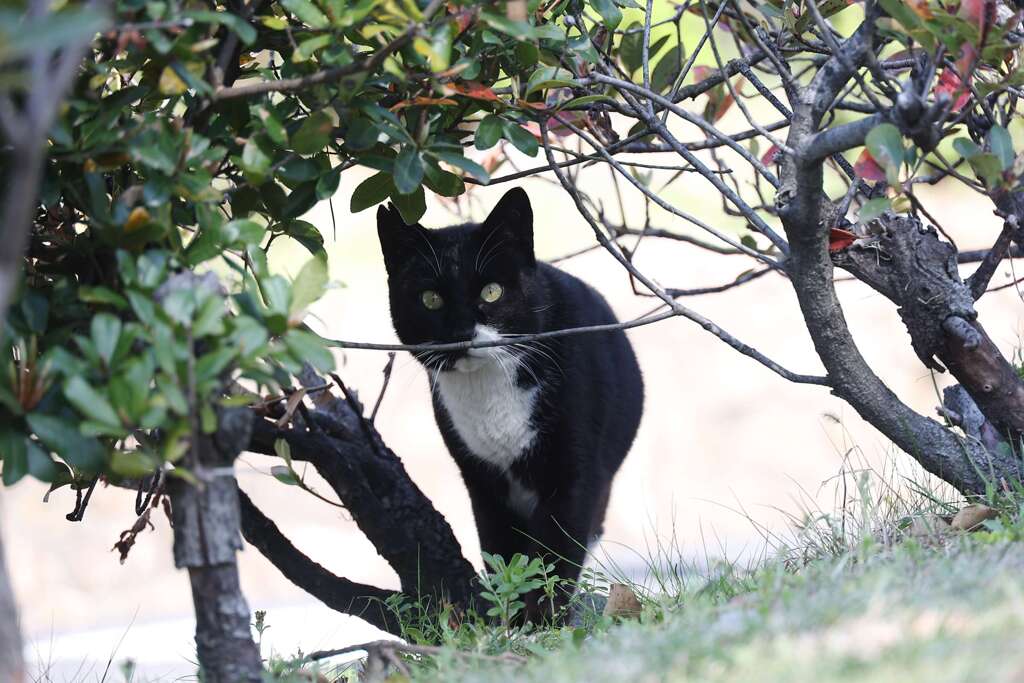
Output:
x=260 y=625
x=508 y=582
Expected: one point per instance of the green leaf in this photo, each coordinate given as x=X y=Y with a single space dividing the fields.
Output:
x=461 y=162
x=873 y=209
x=272 y=126
x=132 y=464
x=667 y=69
x=305 y=346
x=310 y=284
x=306 y=234
x=1001 y=144
x=631 y=48
x=327 y=183
x=255 y=161
x=314 y=133
x=83 y=452
x=102 y=295
x=371 y=192
x=36 y=309
x=549 y=77
x=411 y=206
x=276 y=294
x=610 y=14
x=243 y=231
x=966 y=148
x=586 y=99
x=210 y=365
x=105 y=331
x=408 y=173
x=442 y=182
x=307 y=13
x=361 y=135
x=284 y=475
x=488 y=132
x=988 y=168
x=14 y=456
x=92 y=404
x=521 y=138
x=245 y=32
x=311 y=45
x=885 y=143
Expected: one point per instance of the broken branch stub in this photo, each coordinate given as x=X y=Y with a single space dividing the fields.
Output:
x=908 y=264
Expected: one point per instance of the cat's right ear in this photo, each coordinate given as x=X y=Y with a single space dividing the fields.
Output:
x=397 y=240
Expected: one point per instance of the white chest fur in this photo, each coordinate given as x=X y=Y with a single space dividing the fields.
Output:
x=490 y=413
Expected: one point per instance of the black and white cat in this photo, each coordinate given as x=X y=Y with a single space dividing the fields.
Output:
x=539 y=428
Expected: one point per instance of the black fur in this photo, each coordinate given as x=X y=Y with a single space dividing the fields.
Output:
x=591 y=393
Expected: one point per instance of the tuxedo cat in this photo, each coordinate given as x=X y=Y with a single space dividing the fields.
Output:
x=539 y=428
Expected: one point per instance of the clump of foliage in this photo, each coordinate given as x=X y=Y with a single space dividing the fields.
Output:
x=155 y=154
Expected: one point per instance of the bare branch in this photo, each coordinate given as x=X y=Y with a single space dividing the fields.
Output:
x=675 y=307
x=349 y=597
x=978 y=282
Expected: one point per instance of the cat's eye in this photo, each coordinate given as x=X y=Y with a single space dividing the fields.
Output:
x=431 y=300
x=491 y=292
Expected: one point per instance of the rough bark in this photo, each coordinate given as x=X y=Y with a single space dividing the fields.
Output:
x=375 y=488
x=360 y=600
x=206 y=538
x=909 y=265
x=804 y=210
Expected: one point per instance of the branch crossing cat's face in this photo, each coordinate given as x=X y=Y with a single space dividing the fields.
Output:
x=537 y=428
x=473 y=282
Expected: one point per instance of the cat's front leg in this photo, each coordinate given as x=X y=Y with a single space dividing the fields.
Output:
x=563 y=532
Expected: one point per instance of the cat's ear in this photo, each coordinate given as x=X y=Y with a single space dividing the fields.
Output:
x=397 y=240
x=513 y=217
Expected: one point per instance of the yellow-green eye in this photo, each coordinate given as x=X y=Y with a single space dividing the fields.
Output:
x=491 y=292
x=432 y=300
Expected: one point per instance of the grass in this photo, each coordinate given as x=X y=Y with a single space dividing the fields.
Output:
x=875 y=587
x=867 y=591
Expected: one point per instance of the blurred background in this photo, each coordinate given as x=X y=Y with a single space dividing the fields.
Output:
x=726 y=450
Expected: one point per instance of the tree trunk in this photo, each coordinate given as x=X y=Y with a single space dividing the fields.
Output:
x=206 y=538
x=12 y=666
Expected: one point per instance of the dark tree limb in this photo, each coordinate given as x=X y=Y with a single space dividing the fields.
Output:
x=372 y=483
x=804 y=210
x=340 y=594
x=908 y=264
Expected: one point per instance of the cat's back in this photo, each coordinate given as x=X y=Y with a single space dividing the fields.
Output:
x=602 y=376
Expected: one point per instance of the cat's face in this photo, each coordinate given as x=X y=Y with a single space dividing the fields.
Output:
x=474 y=281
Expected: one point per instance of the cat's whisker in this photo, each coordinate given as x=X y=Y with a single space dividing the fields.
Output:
x=521 y=361
x=437 y=261
x=476 y=264
x=491 y=253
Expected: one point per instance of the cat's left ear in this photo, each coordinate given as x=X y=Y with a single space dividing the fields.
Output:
x=397 y=240
x=513 y=218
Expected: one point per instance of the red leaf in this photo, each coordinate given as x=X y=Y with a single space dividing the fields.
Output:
x=968 y=58
x=472 y=89
x=839 y=239
x=770 y=157
x=951 y=84
x=978 y=11
x=540 y=106
x=420 y=101
x=867 y=168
